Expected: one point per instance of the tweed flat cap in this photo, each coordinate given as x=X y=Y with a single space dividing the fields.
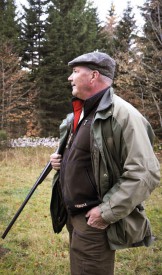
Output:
x=99 y=61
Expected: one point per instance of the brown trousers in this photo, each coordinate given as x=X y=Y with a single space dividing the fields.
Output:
x=89 y=250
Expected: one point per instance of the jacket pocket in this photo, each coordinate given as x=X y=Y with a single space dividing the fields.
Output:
x=133 y=230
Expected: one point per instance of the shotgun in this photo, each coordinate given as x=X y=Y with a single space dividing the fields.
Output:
x=40 y=179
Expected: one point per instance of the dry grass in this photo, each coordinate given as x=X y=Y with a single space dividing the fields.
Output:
x=31 y=248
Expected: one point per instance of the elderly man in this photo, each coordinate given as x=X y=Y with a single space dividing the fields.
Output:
x=105 y=170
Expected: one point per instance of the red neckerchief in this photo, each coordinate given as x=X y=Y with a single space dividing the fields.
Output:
x=77 y=107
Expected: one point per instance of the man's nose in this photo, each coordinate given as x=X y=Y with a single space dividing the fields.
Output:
x=70 y=78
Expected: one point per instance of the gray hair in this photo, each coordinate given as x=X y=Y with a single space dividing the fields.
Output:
x=106 y=79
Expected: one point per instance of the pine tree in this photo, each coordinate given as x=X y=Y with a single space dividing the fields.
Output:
x=125 y=30
x=73 y=29
x=10 y=29
x=33 y=31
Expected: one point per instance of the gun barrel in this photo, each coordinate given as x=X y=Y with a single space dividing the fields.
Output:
x=42 y=176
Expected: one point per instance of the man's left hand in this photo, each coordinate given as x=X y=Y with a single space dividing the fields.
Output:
x=95 y=219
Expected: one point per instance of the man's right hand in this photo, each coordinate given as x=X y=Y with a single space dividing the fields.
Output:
x=55 y=160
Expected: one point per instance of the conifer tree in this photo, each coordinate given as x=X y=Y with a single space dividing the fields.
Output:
x=33 y=31
x=125 y=30
x=9 y=25
x=73 y=29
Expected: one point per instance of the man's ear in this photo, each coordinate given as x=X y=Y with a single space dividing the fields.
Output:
x=95 y=75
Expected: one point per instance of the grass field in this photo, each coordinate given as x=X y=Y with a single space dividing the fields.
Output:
x=31 y=247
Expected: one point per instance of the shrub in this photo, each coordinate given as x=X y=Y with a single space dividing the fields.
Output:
x=3 y=135
x=3 y=139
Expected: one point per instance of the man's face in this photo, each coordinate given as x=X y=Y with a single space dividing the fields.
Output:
x=81 y=82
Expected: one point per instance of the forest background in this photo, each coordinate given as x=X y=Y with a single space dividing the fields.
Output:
x=36 y=46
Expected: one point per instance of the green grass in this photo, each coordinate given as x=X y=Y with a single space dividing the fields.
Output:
x=31 y=247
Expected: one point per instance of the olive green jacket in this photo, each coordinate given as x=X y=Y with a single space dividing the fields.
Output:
x=125 y=167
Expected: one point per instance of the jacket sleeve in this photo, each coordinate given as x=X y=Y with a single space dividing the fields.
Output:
x=141 y=169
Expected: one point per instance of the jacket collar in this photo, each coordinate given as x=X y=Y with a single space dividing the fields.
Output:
x=105 y=107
